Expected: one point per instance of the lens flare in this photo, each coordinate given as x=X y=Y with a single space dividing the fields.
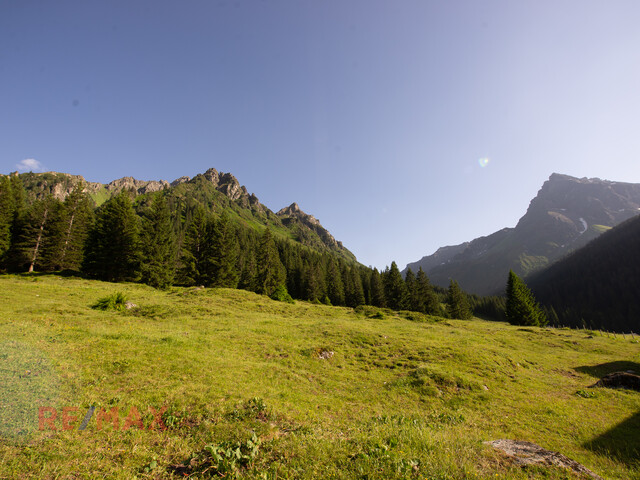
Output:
x=483 y=162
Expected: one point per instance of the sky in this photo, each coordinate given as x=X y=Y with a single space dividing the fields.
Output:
x=402 y=125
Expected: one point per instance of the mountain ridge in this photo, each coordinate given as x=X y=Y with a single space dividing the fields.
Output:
x=566 y=213
x=294 y=223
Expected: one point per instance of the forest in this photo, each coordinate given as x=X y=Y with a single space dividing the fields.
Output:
x=165 y=238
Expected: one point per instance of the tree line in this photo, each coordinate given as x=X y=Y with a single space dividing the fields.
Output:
x=162 y=240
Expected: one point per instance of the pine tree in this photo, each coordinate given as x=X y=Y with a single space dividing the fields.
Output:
x=223 y=253
x=113 y=251
x=335 y=286
x=194 y=250
x=522 y=308
x=78 y=209
x=413 y=301
x=457 y=305
x=32 y=233
x=270 y=272
x=157 y=267
x=7 y=208
x=427 y=298
x=67 y=233
x=377 y=289
x=395 y=288
x=354 y=293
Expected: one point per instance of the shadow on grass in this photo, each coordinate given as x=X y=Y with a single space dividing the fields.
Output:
x=622 y=442
x=603 y=369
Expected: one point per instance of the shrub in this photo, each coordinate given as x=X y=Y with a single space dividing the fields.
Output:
x=281 y=295
x=117 y=301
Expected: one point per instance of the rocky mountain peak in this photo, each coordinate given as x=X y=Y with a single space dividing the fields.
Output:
x=566 y=214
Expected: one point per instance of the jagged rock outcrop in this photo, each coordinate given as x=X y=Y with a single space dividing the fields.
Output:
x=139 y=186
x=565 y=215
x=292 y=213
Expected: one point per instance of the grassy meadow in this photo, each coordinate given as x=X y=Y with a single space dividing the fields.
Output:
x=252 y=388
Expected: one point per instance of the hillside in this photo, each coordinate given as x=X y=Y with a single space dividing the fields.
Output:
x=597 y=285
x=565 y=215
x=296 y=391
x=218 y=191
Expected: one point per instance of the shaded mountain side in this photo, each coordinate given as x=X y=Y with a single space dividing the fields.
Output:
x=216 y=191
x=565 y=215
x=596 y=286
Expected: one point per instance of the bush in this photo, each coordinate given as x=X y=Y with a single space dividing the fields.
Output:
x=281 y=295
x=117 y=301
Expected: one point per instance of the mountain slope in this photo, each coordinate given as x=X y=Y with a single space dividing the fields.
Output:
x=565 y=215
x=596 y=286
x=215 y=190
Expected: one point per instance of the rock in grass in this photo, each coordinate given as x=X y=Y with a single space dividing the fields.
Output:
x=527 y=453
x=629 y=380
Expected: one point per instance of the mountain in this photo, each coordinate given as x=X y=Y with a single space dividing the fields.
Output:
x=217 y=191
x=565 y=215
x=596 y=286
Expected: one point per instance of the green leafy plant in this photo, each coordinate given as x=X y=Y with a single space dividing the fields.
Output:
x=224 y=459
x=117 y=301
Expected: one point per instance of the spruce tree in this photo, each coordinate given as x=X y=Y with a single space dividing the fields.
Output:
x=270 y=271
x=521 y=307
x=335 y=286
x=157 y=266
x=7 y=208
x=427 y=298
x=78 y=211
x=32 y=233
x=413 y=301
x=194 y=249
x=354 y=293
x=223 y=253
x=113 y=250
x=377 y=289
x=457 y=304
x=395 y=288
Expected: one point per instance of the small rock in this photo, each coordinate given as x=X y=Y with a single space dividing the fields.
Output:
x=527 y=453
x=626 y=379
x=325 y=354
x=130 y=305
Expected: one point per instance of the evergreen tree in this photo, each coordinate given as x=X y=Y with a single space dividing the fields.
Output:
x=157 y=266
x=354 y=293
x=113 y=251
x=194 y=250
x=427 y=297
x=521 y=307
x=32 y=232
x=395 y=288
x=457 y=304
x=68 y=230
x=335 y=286
x=413 y=301
x=377 y=289
x=223 y=253
x=270 y=271
x=7 y=208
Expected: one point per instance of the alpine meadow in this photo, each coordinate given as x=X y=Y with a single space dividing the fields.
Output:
x=320 y=240
x=185 y=330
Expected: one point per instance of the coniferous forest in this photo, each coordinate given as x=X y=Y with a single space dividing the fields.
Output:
x=188 y=238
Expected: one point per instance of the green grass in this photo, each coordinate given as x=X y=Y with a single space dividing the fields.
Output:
x=255 y=388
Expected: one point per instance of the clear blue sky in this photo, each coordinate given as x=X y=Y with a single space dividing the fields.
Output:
x=371 y=115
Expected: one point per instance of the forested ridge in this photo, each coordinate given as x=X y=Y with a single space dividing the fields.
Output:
x=190 y=234
x=597 y=286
